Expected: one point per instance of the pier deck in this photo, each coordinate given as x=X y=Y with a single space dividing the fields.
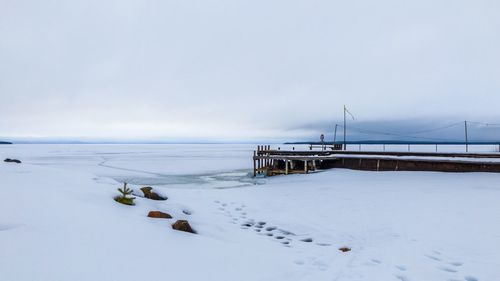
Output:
x=271 y=162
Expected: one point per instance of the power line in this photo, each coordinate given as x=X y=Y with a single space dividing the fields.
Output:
x=435 y=129
x=485 y=124
x=365 y=131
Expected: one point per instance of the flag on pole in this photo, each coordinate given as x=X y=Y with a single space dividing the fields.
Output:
x=346 y=110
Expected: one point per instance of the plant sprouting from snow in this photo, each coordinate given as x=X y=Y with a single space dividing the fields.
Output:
x=125 y=192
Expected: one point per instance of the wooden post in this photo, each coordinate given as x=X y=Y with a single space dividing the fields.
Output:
x=314 y=165
x=254 y=168
x=466 y=138
x=305 y=166
x=258 y=160
x=286 y=166
x=268 y=154
x=264 y=161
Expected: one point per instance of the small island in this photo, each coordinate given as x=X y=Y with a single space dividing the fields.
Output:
x=5 y=142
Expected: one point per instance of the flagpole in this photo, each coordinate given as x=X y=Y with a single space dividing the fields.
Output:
x=345 y=145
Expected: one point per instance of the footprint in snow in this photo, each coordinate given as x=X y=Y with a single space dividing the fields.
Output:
x=299 y=262
x=433 y=257
x=402 y=278
x=447 y=269
x=4 y=227
x=401 y=268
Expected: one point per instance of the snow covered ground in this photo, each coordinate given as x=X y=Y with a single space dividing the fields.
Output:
x=58 y=220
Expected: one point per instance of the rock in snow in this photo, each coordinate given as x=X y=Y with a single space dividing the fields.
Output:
x=159 y=215
x=183 y=225
x=148 y=193
x=8 y=160
x=345 y=249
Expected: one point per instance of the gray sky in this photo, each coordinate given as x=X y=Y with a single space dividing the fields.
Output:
x=243 y=70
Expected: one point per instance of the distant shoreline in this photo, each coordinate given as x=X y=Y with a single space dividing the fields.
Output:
x=399 y=142
x=5 y=142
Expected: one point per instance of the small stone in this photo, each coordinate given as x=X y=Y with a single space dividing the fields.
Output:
x=159 y=215
x=183 y=225
x=148 y=193
x=8 y=160
x=345 y=249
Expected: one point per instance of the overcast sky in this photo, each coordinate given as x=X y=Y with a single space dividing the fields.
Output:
x=243 y=70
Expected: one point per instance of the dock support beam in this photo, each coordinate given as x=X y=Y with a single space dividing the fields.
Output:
x=254 y=165
x=286 y=167
x=259 y=161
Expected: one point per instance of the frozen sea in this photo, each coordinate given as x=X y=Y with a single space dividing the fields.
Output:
x=172 y=165
x=58 y=219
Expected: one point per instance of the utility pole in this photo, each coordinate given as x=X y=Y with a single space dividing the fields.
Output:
x=466 y=138
x=345 y=145
x=335 y=134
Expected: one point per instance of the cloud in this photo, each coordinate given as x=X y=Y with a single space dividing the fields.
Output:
x=241 y=69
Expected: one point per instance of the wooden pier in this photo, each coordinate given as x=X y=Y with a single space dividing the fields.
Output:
x=270 y=162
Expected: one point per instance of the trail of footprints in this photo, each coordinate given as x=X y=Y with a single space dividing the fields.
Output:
x=238 y=216
x=440 y=263
x=451 y=267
